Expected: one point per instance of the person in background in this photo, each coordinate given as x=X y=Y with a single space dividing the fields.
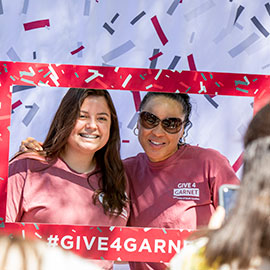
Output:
x=243 y=241
x=78 y=177
x=172 y=184
x=259 y=125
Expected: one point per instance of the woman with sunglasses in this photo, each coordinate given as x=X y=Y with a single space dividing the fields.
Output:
x=173 y=184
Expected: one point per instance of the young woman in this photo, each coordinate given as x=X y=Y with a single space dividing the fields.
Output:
x=172 y=184
x=79 y=177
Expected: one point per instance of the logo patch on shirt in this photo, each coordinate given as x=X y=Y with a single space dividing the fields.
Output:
x=186 y=191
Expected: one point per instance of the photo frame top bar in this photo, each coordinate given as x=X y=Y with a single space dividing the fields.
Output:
x=133 y=79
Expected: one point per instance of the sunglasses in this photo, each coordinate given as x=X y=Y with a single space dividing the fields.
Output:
x=171 y=125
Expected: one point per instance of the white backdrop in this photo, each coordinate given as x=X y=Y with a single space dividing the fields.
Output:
x=222 y=36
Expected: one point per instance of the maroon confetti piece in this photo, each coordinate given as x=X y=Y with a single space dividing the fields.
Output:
x=36 y=24
x=16 y=104
x=77 y=50
x=125 y=141
x=155 y=56
x=191 y=62
x=159 y=30
x=236 y=166
x=137 y=99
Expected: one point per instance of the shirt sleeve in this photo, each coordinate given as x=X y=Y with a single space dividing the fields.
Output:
x=15 y=189
x=221 y=173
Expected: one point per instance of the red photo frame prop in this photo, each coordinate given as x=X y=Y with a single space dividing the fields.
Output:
x=113 y=243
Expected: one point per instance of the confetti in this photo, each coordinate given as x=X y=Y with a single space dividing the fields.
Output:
x=36 y=226
x=124 y=48
x=267 y=6
x=259 y=26
x=99 y=229
x=159 y=30
x=242 y=90
x=238 y=12
x=266 y=66
x=15 y=105
x=158 y=74
x=23 y=234
x=54 y=80
x=114 y=17
x=128 y=78
x=1 y=8
x=203 y=76
x=173 y=7
x=116 y=69
x=203 y=88
x=239 y=26
x=154 y=62
x=155 y=56
x=86 y=11
x=76 y=74
x=242 y=130
x=164 y=230
x=212 y=102
x=36 y=24
x=137 y=18
x=39 y=236
x=191 y=62
x=47 y=74
x=174 y=62
x=27 y=81
x=25 y=6
x=243 y=45
x=34 y=55
x=111 y=228
x=18 y=88
x=104 y=85
x=95 y=75
x=236 y=166
x=125 y=141
x=157 y=86
x=12 y=55
x=148 y=86
x=108 y=28
x=31 y=114
x=192 y=37
x=196 y=12
x=77 y=50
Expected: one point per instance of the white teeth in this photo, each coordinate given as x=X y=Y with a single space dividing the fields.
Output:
x=156 y=143
x=89 y=136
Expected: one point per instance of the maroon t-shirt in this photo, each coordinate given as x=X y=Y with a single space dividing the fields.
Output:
x=179 y=192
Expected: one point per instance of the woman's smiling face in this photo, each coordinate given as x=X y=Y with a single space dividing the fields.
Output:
x=156 y=142
x=92 y=129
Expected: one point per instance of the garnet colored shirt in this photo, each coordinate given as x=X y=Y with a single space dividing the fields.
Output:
x=179 y=192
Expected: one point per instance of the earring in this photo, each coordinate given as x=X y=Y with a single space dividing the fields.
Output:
x=136 y=131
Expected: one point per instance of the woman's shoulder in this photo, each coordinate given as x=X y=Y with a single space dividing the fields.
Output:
x=28 y=155
x=203 y=153
x=28 y=160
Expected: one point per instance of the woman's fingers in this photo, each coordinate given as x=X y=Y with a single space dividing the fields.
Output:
x=30 y=144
